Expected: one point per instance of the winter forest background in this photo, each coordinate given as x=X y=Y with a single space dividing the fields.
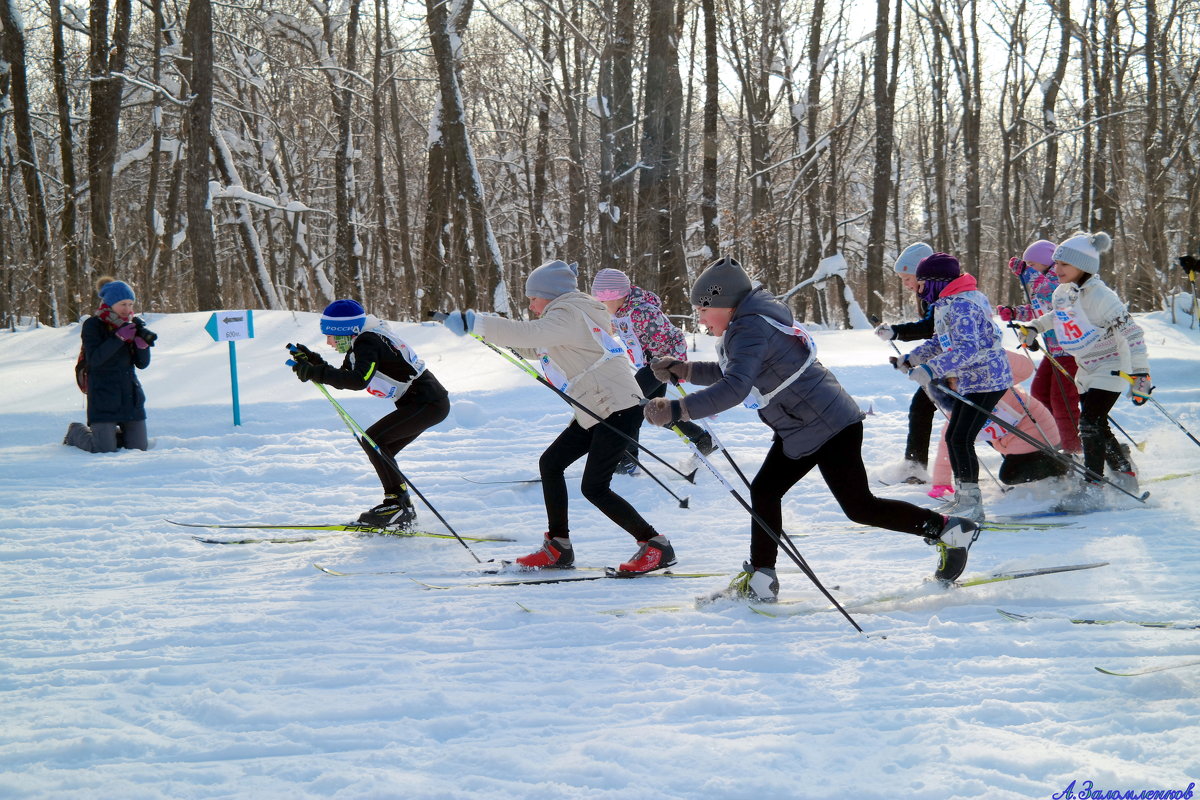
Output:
x=280 y=154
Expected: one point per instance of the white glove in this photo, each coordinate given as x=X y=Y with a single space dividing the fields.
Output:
x=885 y=332
x=922 y=375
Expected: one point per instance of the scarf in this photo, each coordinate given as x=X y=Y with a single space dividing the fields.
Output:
x=112 y=318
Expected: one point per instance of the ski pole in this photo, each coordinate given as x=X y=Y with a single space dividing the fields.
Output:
x=523 y=365
x=361 y=436
x=1020 y=434
x=683 y=502
x=716 y=441
x=1158 y=405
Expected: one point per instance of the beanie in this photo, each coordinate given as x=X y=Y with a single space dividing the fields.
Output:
x=906 y=263
x=938 y=266
x=611 y=284
x=1040 y=252
x=343 y=318
x=114 y=292
x=552 y=279
x=723 y=284
x=1083 y=250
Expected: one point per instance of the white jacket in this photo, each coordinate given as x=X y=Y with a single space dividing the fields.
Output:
x=564 y=331
x=1106 y=337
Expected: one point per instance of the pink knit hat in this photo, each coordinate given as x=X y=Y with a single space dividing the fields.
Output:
x=1040 y=252
x=610 y=284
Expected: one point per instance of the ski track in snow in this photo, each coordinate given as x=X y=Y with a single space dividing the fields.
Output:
x=136 y=662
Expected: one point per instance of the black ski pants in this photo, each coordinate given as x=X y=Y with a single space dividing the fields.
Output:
x=603 y=446
x=920 y=427
x=1029 y=467
x=841 y=465
x=965 y=424
x=1100 y=446
x=397 y=430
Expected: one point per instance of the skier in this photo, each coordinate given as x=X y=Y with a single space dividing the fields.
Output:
x=921 y=409
x=763 y=354
x=640 y=324
x=1054 y=390
x=574 y=343
x=377 y=360
x=965 y=351
x=115 y=343
x=1022 y=462
x=1091 y=323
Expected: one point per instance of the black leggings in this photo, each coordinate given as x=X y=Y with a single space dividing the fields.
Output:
x=603 y=447
x=1100 y=446
x=965 y=424
x=920 y=426
x=396 y=431
x=841 y=465
x=1029 y=467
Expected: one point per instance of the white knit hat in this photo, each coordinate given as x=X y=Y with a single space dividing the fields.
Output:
x=907 y=262
x=1083 y=250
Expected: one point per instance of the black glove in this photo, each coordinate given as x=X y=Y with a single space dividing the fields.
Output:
x=302 y=353
x=148 y=336
x=309 y=372
x=1189 y=263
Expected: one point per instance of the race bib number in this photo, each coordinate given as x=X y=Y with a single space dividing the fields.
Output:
x=993 y=431
x=386 y=388
x=1074 y=331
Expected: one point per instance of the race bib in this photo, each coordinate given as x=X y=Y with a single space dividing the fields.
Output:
x=386 y=388
x=612 y=349
x=756 y=399
x=993 y=431
x=1074 y=331
x=623 y=326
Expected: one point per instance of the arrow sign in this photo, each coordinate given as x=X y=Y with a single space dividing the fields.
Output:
x=231 y=326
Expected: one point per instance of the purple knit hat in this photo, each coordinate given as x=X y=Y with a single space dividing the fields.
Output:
x=936 y=272
x=611 y=284
x=1040 y=252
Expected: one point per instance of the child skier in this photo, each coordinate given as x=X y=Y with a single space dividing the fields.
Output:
x=1022 y=462
x=574 y=342
x=640 y=324
x=764 y=354
x=377 y=360
x=921 y=409
x=966 y=352
x=1091 y=323
x=1054 y=390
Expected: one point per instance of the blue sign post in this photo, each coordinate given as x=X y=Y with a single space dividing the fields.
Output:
x=230 y=326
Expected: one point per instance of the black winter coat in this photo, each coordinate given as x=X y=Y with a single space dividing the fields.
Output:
x=114 y=393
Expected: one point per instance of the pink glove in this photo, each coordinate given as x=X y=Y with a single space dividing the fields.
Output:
x=126 y=332
x=941 y=490
x=1007 y=313
x=1016 y=266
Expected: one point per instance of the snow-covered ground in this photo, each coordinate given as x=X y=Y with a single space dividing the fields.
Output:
x=137 y=662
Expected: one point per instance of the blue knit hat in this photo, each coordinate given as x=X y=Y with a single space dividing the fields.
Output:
x=343 y=318
x=552 y=279
x=114 y=292
x=906 y=262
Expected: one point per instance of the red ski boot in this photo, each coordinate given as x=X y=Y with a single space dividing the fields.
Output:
x=556 y=553
x=653 y=554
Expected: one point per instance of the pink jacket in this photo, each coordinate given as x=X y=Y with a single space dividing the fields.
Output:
x=1038 y=423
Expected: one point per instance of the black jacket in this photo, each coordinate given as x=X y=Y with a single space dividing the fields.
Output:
x=114 y=393
x=373 y=353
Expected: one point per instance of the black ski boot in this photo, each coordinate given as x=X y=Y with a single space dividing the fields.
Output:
x=396 y=511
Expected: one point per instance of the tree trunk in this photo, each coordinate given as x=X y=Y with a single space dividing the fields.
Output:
x=881 y=189
x=106 y=61
x=12 y=37
x=199 y=46
x=76 y=302
x=708 y=190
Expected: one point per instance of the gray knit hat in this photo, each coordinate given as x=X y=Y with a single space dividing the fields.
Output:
x=1083 y=250
x=906 y=262
x=723 y=284
x=552 y=279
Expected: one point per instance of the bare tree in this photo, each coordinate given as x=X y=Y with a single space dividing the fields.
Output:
x=198 y=45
